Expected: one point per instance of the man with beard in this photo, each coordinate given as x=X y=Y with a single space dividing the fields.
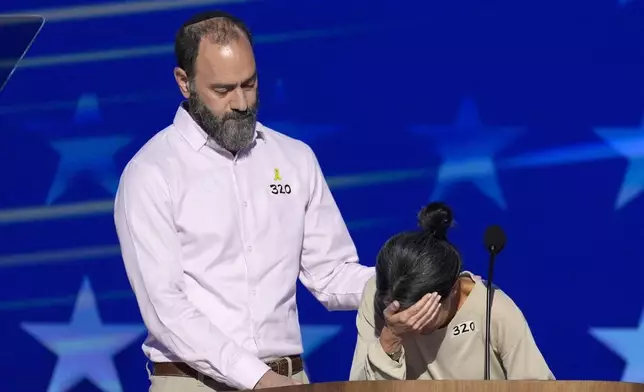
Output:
x=217 y=217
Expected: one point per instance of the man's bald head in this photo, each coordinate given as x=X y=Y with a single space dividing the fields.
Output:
x=217 y=27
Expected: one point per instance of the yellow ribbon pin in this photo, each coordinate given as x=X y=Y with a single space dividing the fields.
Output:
x=277 y=175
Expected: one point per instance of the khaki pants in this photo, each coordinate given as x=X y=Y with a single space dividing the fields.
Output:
x=188 y=384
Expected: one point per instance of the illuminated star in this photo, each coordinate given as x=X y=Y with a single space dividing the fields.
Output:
x=93 y=155
x=622 y=3
x=627 y=343
x=467 y=149
x=85 y=345
x=630 y=143
x=315 y=336
x=87 y=110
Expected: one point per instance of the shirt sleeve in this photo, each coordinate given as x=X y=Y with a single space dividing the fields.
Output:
x=515 y=344
x=370 y=362
x=329 y=267
x=152 y=256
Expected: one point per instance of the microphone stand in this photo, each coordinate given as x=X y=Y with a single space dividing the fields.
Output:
x=488 y=311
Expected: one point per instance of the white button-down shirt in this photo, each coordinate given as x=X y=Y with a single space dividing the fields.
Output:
x=213 y=245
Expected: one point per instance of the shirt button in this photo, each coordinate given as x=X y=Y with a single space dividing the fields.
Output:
x=245 y=204
x=254 y=292
x=250 y=248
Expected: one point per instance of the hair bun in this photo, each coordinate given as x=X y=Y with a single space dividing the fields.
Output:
x=436 y=218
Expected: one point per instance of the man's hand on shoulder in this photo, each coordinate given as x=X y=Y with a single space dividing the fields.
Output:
x=270 y=379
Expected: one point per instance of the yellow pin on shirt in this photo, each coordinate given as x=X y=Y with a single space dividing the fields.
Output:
x=277 y=175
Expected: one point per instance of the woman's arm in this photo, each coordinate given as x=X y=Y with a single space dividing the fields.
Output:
x=370 y=361
x=515 y=344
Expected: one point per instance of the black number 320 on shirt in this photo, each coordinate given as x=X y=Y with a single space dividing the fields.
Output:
x=463 y=328
x=277 y=189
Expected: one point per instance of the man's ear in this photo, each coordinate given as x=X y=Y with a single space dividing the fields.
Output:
x=181 y=78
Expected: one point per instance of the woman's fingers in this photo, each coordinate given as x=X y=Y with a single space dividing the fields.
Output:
x=417 y=317
x=430 y=312
x=391 y=309
x=416 y=322
x=417 y=311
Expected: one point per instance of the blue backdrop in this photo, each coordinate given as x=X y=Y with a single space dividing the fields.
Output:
x=527 y=114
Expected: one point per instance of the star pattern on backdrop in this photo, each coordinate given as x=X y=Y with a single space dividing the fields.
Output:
x=468 y=150
x=93 y=155
x=85 y=346
x=628 y=343
x=315 y=336
x=629 y=142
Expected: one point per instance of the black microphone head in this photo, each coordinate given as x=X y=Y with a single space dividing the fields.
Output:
x=494 y=239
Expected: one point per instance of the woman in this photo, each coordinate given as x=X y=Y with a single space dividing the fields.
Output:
x=422 y=317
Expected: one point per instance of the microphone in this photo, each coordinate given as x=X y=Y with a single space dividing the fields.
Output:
x=494 y=240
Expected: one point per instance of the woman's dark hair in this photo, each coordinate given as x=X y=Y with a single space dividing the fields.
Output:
x=412 y=264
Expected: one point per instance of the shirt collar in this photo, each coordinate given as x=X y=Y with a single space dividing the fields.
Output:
x=196 y=136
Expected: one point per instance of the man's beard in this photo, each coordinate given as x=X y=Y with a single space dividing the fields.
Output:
x=233 y=131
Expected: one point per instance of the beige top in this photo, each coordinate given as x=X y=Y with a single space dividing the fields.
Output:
x=455 y=352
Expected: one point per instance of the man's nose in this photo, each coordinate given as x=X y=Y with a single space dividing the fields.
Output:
x=239 y=101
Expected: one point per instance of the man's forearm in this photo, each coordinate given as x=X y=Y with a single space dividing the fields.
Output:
x=342 y=289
